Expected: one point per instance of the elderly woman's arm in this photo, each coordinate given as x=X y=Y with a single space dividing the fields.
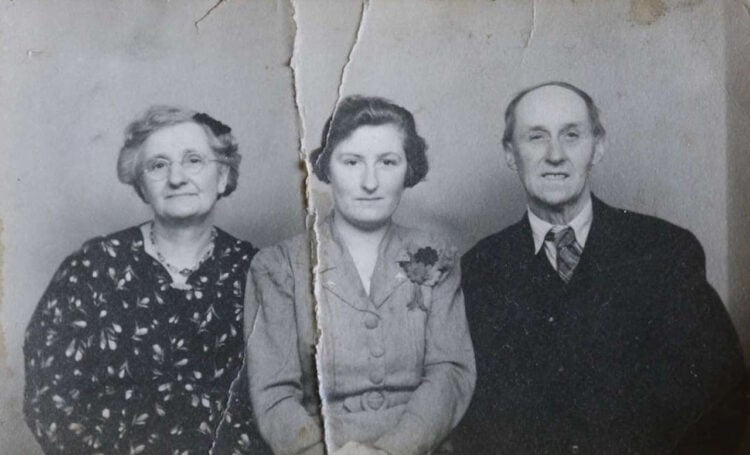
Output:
x=62 y=403
x=448 y=380
x=276 y=378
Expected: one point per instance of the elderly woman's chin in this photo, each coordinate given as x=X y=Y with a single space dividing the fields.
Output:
x=184 y=208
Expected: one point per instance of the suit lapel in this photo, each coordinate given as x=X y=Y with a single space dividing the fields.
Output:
x=602 y=245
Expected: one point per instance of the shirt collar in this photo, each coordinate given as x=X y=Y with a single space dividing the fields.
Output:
x=581 y=225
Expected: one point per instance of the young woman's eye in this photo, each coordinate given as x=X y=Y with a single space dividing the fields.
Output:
x=390 y=162
x=350 y=162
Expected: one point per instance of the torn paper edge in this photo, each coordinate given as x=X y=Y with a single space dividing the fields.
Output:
x=296 y=97
x=315 y=243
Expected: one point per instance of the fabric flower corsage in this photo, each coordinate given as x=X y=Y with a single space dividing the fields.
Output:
x=426 y=267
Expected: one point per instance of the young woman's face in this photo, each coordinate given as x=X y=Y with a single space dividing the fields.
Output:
x=367 y=172
x=181 y=178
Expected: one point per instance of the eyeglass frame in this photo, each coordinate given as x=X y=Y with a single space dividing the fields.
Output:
x=204 y=160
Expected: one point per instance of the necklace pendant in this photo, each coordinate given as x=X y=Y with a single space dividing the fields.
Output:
x=185 y=272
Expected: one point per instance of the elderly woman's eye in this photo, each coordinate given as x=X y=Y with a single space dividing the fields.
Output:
x=157 y=165
x=536 y=137
x=194 y=159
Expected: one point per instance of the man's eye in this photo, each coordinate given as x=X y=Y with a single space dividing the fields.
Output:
x=572 y=135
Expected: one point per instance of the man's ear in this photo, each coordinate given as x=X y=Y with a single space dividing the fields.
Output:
x=598 y=150
x=510 y=156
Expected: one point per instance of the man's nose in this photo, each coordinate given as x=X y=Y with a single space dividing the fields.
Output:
x=555 y=152
x=370 y=179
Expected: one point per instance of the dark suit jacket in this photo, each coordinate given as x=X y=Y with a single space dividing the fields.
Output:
x=636 y=354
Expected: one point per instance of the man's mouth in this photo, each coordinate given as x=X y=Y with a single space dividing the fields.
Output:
x=555 y=175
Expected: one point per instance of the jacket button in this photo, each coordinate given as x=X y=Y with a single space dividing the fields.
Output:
x=377 y=376
x=377 y=351
x=371 y=321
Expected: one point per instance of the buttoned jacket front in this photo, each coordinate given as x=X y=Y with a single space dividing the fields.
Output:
x=392 y=373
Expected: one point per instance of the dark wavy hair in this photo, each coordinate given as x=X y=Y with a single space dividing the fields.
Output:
x=219 y=135
x=356 y=111
x=510 y=111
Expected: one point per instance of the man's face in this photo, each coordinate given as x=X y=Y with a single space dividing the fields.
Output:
x=553 y=149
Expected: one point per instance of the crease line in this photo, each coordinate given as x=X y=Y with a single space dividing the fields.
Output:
x=230 y=396
x=533 y=24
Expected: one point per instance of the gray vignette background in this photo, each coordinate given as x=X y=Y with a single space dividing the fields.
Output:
x=672 y=78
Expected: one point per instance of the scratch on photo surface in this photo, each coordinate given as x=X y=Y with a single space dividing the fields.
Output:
x=3 y=353
x=206 y=14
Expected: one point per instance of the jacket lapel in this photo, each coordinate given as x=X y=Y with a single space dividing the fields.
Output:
x=388 y=274
x=338 y=274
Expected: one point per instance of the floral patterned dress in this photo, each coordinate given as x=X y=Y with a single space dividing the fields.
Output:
x=119 y=361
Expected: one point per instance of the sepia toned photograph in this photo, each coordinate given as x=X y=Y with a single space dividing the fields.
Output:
x=374 y=227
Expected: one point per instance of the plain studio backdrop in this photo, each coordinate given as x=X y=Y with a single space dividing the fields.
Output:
x=670 y=76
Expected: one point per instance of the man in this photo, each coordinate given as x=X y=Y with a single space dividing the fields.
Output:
x=595 y=329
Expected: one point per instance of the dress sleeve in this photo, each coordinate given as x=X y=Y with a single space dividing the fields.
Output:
x=63 y=402
x=441 y=399
x=274 y=368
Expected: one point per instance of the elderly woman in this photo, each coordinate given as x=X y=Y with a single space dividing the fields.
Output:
x=138 y=338
x=394 y=365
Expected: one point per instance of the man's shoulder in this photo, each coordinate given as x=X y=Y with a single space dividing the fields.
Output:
x=643 y=234
x=498 y=251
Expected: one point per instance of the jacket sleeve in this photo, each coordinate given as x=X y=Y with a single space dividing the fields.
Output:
x=441 y=399
x=708 y=361
x=274 y=368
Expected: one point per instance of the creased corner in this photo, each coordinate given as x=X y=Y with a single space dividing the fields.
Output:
x=206 y=14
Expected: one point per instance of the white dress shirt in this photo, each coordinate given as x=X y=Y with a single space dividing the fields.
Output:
x=581 y=225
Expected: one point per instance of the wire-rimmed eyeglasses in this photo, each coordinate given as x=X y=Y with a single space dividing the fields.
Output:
x=192 y=164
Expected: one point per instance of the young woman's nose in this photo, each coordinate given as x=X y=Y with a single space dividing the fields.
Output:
x=370 y=178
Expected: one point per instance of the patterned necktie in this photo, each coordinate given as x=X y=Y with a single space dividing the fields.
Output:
x=568 y=251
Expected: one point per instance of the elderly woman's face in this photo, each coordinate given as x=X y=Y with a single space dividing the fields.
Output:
x=180 y=176
x=367 y=172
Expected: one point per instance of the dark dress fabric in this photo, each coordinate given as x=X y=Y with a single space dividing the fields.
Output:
x=636 y=354
x=119 y=361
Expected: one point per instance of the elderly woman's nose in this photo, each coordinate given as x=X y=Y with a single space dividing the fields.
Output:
x=370 y=178
x=176 y=174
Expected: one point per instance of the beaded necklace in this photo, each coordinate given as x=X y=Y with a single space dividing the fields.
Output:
x=185 y=272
